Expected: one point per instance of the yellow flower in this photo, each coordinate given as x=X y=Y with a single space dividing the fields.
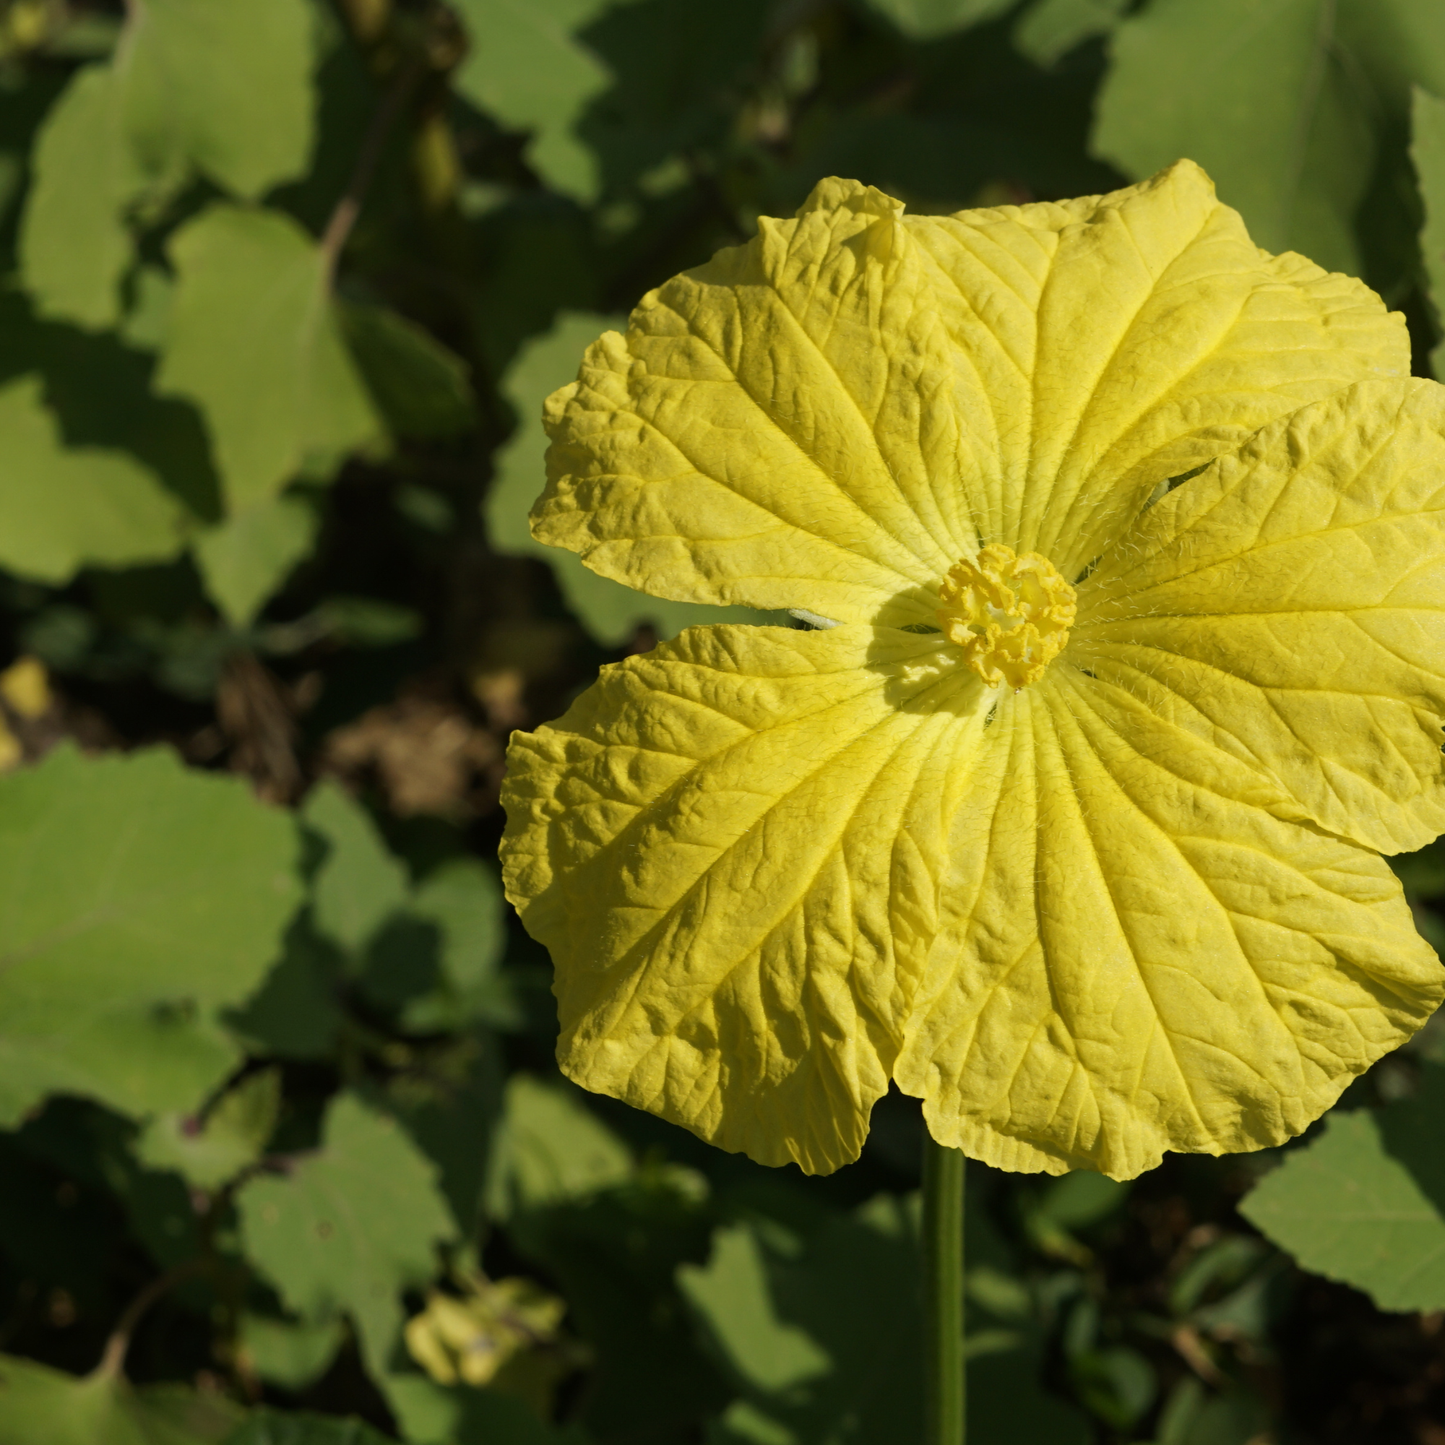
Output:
x=1124 y=544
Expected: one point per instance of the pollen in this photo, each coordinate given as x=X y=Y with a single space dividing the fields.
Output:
x=1010 y=614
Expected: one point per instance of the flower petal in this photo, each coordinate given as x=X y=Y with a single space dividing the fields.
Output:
x=730 y=846
x=1289 y=605
x=1131 y=960
x=1121 y=340
x=779 y=427
x=831 y=416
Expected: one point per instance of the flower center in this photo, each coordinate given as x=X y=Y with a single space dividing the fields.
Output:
x=1011 y=615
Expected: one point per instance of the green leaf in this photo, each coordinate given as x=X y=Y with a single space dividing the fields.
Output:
x=1261 y=95
x=63 y=508
x=273 y=1427
x=248 y=557
x=253 y=341
x=614 y=1256
x=733 y=1295
x=1048 y=29
x=528 y=68
x=1365 y=1202
x=1400 y=42
x=293 y=1354
x=448 y=1101
x=463 y=899
x=223 y=86
x=136 y=899
x=350 y=1227
x=41 y=1406
x=609 y=611
x=420 y=387
x=432 y=1414
x=229 y=1139
x=74 y=241
x=359 y=885
x=928 y=19
x=295 y=1013
x=550 y=1147
x=820 y=1333
x=1427 y=151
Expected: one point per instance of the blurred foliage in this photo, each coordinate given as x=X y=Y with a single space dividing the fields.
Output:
x=285 y=1160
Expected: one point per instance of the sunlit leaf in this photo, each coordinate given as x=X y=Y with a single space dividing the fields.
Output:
x=62 y=508
x=136 y=898
x=253 y=341
x=349 y=1227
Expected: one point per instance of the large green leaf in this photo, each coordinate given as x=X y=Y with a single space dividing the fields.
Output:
x=350 y=1227
x=63 y=508
x=529 y=69
x=224 y=86
x=1427 y=150
x=1365 y=1202
x=136 y=898
x=253 y=341
x=608 y=610
x=1259 y=93
x=41 y=1406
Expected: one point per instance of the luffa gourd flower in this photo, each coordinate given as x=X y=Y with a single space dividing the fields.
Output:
x=1122 y=542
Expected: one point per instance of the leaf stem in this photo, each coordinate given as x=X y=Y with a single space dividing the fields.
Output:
x=348 y=208
x=945 y=1394
x=112 y=1362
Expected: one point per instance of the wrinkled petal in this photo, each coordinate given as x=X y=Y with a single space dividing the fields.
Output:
x=829 y=417
x=1126 y=339
x=730 y=845
x=780 y=426
x=1289 y=606
x=1134 y=955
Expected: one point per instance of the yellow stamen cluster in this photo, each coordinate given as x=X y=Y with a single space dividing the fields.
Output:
x=1011 y=615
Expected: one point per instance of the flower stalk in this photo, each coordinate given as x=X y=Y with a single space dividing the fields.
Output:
x=945 y=1399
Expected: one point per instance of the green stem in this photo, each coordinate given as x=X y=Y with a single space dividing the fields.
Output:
x=944 y=1402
